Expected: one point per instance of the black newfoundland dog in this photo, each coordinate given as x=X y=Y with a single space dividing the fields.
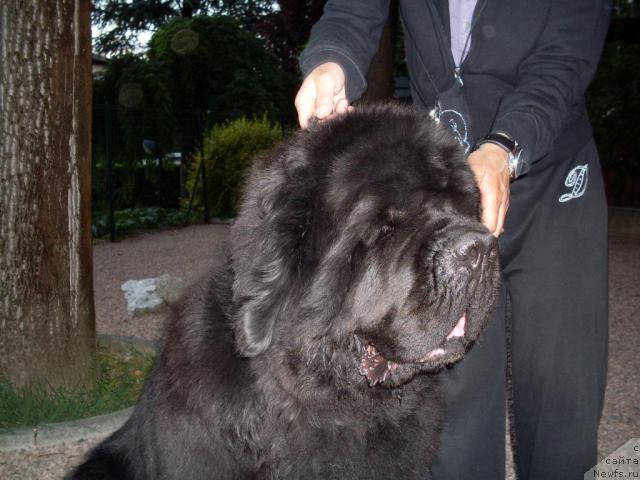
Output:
x=358 y=269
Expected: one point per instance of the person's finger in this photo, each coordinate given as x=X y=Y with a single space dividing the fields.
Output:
x=342 y=105
x=500 y=216
x=490 y=207
x=325 y=86
x=502 y=211
x=305 y=102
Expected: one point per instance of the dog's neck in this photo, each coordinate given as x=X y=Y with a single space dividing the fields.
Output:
x=303 y=383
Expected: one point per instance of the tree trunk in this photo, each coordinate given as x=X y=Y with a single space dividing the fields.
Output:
x=47 y=329
x=380 y=76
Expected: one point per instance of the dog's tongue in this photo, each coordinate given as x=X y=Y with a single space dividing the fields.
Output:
x=458 y=330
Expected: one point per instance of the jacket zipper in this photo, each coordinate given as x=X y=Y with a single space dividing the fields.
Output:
x=457 y=71
x=477 y=11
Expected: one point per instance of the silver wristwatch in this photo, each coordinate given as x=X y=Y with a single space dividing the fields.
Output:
x=510 y=146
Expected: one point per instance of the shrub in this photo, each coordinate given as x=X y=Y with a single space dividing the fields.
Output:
x=132 y=220
x=228 y=150
x=136 y=185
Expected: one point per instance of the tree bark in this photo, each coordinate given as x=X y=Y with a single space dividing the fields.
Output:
x=47 y=329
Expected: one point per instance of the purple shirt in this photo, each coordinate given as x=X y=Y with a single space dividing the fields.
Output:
x=460 y=15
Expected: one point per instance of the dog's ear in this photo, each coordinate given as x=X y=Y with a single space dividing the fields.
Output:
x=265 y=240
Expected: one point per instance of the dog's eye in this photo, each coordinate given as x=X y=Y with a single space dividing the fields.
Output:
x=390 y=219
x=386 y=230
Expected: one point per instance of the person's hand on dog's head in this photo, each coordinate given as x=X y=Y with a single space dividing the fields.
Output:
x=490 y=167
x=322 y=94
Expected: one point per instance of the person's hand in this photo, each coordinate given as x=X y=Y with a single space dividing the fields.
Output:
x=322 y=94
x=490 y=166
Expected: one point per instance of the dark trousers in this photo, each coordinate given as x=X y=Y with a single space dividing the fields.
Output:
x=554 y=263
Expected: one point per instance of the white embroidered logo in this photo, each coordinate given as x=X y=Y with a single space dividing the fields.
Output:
x=577 y=181
x=456 y=123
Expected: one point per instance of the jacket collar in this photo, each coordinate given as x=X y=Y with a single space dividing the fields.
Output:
x=442 y=8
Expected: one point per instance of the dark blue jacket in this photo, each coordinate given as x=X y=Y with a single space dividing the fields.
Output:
x=526 y=73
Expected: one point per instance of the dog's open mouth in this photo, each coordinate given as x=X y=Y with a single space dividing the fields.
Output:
x=377 y=369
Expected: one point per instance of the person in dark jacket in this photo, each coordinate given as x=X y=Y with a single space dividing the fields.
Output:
x=508 y=77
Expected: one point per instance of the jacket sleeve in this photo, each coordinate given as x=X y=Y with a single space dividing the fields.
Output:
x=553 y=79
x=348 y=33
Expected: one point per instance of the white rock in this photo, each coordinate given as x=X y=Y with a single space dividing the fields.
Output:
x=150 y=294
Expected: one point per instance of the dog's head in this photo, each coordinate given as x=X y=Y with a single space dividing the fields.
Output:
x=360 y=239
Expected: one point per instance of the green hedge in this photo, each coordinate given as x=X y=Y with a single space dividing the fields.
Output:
x=132 y=220
x=613 y=100
x=228 y=151
x=136 y=185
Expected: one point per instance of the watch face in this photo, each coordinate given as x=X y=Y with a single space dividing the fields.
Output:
x=515 y=163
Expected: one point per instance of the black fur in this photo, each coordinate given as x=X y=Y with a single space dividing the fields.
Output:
x=357 y=250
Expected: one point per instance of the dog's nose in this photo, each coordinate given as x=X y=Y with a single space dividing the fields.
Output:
x=470 y=247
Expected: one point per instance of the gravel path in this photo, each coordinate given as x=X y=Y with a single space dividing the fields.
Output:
x=189 y=253
x=621 y=416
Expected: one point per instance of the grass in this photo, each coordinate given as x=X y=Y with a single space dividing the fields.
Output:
x=122 y=375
